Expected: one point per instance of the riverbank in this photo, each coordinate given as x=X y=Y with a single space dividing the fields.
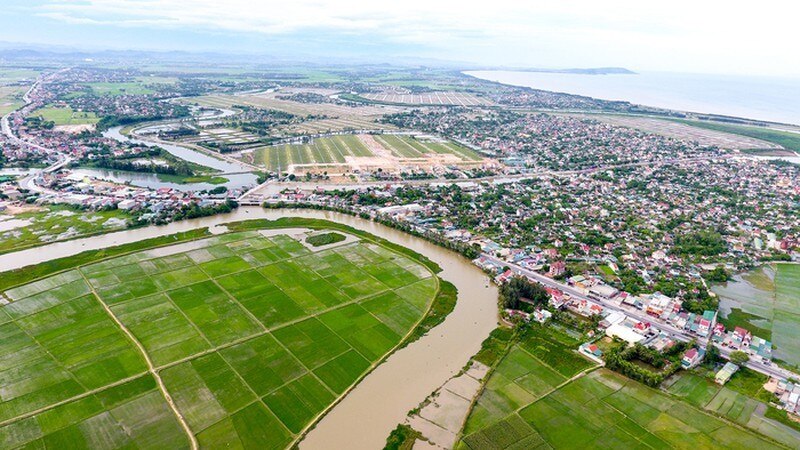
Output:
x=236 y=175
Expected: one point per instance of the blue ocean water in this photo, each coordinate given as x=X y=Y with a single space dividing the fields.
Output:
x=766 y=98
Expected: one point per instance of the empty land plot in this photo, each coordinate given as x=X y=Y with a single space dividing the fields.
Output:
x=443 y=98
x=338 y=124
x=253 y=337
x=388 y=149
x=222 y=136
x=338 y=117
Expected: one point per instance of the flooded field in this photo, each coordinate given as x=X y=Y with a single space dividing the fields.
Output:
x=752 y=292
x=768 y=298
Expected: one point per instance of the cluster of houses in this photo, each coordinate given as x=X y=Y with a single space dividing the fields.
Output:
x=742 y=340
x=632 y=328
x=89 y=193
x=788 y=394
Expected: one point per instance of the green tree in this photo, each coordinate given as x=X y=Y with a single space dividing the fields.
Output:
x=719 y=275
x=739 y=357
x=519 y=293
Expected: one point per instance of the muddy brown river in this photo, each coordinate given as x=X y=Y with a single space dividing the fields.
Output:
x=367 y=414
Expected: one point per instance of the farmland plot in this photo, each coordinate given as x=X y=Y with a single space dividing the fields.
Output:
x=252 y=336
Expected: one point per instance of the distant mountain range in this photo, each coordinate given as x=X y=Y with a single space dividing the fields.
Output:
x=18 y=52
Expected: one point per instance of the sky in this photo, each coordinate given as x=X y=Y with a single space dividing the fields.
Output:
x=695 y=36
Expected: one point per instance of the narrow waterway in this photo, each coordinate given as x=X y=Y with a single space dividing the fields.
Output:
x=236 y=181
x=367 y=414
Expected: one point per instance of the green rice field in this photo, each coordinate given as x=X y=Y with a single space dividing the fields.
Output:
x=731 y=403
x=540 y=397
x=336 y=149
x=786 y=321
x=252 y=335
x=536 y=365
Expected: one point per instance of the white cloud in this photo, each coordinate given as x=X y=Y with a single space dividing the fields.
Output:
x=708 y=35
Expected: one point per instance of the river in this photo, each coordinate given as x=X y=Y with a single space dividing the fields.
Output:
x=150 y=180
x=368 y=413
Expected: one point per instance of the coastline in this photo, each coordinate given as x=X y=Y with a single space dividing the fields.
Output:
x=668 y=91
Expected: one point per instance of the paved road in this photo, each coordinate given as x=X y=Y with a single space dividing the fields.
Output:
x=271 y=187
x=755 y=363
x=29 y=182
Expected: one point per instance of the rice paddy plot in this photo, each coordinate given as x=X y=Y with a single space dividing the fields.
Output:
x=253 y=337
x=526 y=373
x=129 y=415
x=786 y=324
x=606 y=410
x=728 y=403
x=769 y=299
x=534 y=400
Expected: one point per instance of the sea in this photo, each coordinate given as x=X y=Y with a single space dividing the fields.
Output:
x=775 y=99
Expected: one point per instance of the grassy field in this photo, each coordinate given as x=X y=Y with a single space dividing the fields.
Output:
x=606 y=410
x=336 y=149
x=787 y=140
x=11 y=98
x=131 y=88
x=319 y=240
x=65 y=116
x=11 y=74
x=253 y=337
x=55 y=223
x=11 y=95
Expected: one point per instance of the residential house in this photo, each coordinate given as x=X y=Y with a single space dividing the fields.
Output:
x=692 y=357
x=726 y=373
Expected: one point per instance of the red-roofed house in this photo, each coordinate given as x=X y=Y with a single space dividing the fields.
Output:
x=558 y=268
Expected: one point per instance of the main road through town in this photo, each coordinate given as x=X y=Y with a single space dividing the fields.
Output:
x=767 y=368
